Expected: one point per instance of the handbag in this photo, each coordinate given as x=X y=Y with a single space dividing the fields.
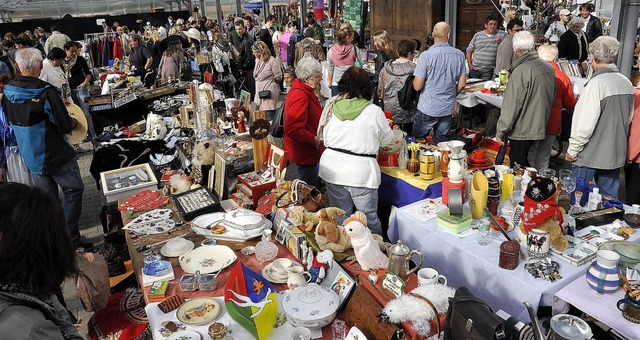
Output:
x=471 y=318
x=264 y=94
x=209 y=77
x=277 y=126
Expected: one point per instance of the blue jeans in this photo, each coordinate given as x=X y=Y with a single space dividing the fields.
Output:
x=334 y=90
x=308 y=173
x=69 y=179
x=78 y=98
x=423 y=123
x=364 y=199
x=608 y=181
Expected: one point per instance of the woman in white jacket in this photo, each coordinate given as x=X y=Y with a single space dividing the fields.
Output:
x=352 y=137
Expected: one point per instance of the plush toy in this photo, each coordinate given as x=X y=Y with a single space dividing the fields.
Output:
x=328 y=226
x=365 y=247
x=541 y=212
x=156 y=128
x=317 y=267
x=203 y=154
x=410 y=308
x=304 y=220
x=179 y=184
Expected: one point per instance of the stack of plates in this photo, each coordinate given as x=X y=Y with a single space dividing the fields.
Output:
x=276 y=271
x=176 y=247
x=629 y=252
x=479 y=164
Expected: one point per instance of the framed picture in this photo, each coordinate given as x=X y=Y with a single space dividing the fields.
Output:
x=245 y=99
x=127 y=181
x=281 y=216
x=339 y=280
x=211 y=180
x=219 y=166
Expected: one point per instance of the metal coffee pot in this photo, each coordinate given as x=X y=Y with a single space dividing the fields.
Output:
x=399 y=257
x=563 y=327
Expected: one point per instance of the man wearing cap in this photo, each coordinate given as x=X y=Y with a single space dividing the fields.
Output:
x=40 y=121
x=558 y=28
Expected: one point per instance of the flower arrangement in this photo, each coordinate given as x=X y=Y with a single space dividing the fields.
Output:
x=415 y=147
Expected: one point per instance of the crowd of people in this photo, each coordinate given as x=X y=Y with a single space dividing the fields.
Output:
x=334 y=140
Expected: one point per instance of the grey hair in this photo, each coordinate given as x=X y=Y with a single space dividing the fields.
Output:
x=548 y=52
x=605 y=49
x=576 y=21
x=307 y=68
x=523 y=42
x=28 y=58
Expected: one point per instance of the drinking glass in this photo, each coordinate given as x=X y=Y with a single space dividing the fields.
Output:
x=339 y=329
x=562 y=177
x=483 y=231
x=570 y=184
x=516 y=197
x=547 y=173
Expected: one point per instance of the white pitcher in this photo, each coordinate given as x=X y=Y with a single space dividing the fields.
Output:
x=296 y=277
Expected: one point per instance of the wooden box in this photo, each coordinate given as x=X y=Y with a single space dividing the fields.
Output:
x=125 y=182
x=256 y=183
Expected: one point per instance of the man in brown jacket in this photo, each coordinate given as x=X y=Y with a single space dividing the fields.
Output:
x=309 y=46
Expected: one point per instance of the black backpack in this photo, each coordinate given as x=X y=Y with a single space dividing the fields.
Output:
x=408 y=96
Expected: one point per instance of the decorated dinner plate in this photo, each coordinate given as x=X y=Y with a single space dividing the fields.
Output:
x=185 y=335
x=157 y=221
x=266 y=272
x=159 y=269
x=198 y=311
x=188 y=246
x=207 y=259
x=240 y=225
x=355 y=334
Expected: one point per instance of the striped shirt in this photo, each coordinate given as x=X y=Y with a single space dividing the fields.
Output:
x=484 y=48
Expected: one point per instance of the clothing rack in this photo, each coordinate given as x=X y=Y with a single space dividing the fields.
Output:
x=102 y=36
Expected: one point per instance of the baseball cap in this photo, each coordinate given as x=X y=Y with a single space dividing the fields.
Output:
x=565 y=12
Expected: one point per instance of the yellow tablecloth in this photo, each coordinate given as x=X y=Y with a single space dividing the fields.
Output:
x=413 y=179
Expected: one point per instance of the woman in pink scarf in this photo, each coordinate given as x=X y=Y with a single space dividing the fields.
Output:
x=341 y=56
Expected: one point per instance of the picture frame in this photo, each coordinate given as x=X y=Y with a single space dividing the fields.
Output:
x=218 y=168
x=124 y=182
x=245 y=99
x=211 y=180
x=279 y=218
x=339 y=280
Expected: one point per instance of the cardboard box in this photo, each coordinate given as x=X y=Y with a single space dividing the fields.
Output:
x=293 y=241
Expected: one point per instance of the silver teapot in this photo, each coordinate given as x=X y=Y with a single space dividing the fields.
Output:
x=399 y=257
x=562 y=327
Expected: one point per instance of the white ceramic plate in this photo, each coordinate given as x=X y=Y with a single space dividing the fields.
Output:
x=199 y=311
x=207 y=259
x=355 y=334
x=185 y=335
x=188 y=246
x=200 y=224
x=267 y=275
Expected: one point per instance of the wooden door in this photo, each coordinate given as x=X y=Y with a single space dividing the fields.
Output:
x=471 y=15
x=407 y=19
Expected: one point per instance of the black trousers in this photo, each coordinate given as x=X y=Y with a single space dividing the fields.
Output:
x=519 y=149
x=632 y=183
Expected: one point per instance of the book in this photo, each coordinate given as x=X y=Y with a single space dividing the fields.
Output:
x=158 y=289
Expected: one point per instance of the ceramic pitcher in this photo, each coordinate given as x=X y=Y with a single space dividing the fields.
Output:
x=444 y=163
x=479 y=194
x=296 y=277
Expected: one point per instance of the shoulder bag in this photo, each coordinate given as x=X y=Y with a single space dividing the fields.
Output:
x=471 y=318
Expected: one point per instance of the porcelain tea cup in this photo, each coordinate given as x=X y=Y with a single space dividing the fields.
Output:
x=300 y=333
x=478 y=155
x=279 y=268
x=429 y=276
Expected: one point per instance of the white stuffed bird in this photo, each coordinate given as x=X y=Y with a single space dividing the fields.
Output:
x=368 y=253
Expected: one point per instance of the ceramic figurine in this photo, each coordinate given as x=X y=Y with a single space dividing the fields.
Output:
x=365 y=247
x=373 y=276
x=317 y=270
x=241 y=125
x=305 y=252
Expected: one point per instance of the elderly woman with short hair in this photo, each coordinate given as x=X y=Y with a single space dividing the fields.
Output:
x=573 y=43
x=352 y=137
x=302 y=113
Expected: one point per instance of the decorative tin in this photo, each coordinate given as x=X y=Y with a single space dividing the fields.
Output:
x=509 y=255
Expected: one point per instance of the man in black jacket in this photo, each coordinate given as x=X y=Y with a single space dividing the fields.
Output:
x=593 y=27
x=265 y=34
x=243 y=42
x=40 y=121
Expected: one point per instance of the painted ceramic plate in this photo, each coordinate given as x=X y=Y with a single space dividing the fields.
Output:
x=185 y=335
x=185 y=248
x=159 y=269
x=207 y=259
x=198 y=311
x=574 y=254
x=355 y=334
x=266 y=273
x=157 y=221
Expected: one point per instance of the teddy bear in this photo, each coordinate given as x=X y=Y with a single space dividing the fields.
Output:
x=541 y=211
x=328 y=226
x=203 y=154
x=305 y=221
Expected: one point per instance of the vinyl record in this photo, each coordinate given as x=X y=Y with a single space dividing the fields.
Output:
x=260 y=129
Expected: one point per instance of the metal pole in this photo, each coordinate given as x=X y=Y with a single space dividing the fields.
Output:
x=238 y=7
x=451 y=17
x=303 y=12
x=628 y=38
x=265 y=4
x=219 y=10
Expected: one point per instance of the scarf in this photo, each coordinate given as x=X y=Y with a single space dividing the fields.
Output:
x=579 y=43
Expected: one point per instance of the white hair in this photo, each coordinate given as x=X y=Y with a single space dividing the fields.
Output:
x=523 y=42
x=308 y=67
x=576 y=21
x=548 y=52
x=605 y=49
x=28 y=58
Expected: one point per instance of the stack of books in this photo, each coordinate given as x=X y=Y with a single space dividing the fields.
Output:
x=573 y=68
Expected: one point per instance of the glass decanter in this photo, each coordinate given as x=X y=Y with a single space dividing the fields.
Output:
x=266 y=250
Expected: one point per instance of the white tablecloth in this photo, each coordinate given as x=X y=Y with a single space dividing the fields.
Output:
x=601 y=307
x=465 y=263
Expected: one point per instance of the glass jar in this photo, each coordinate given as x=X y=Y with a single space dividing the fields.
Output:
x=266 y=250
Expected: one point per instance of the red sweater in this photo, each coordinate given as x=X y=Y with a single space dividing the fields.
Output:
x=302 y=112
x=564 y=98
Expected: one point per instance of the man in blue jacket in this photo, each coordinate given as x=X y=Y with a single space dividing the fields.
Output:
x=40 y=121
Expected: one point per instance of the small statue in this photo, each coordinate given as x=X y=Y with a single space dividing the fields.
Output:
x=368 y=253
x=317 y=268
x=240 y=121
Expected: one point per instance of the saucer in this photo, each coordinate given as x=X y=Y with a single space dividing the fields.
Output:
x=187 y=246
x=160 y=268
x=266 y=273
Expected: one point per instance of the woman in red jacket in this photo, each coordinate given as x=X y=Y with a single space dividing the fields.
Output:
x=302 y=114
